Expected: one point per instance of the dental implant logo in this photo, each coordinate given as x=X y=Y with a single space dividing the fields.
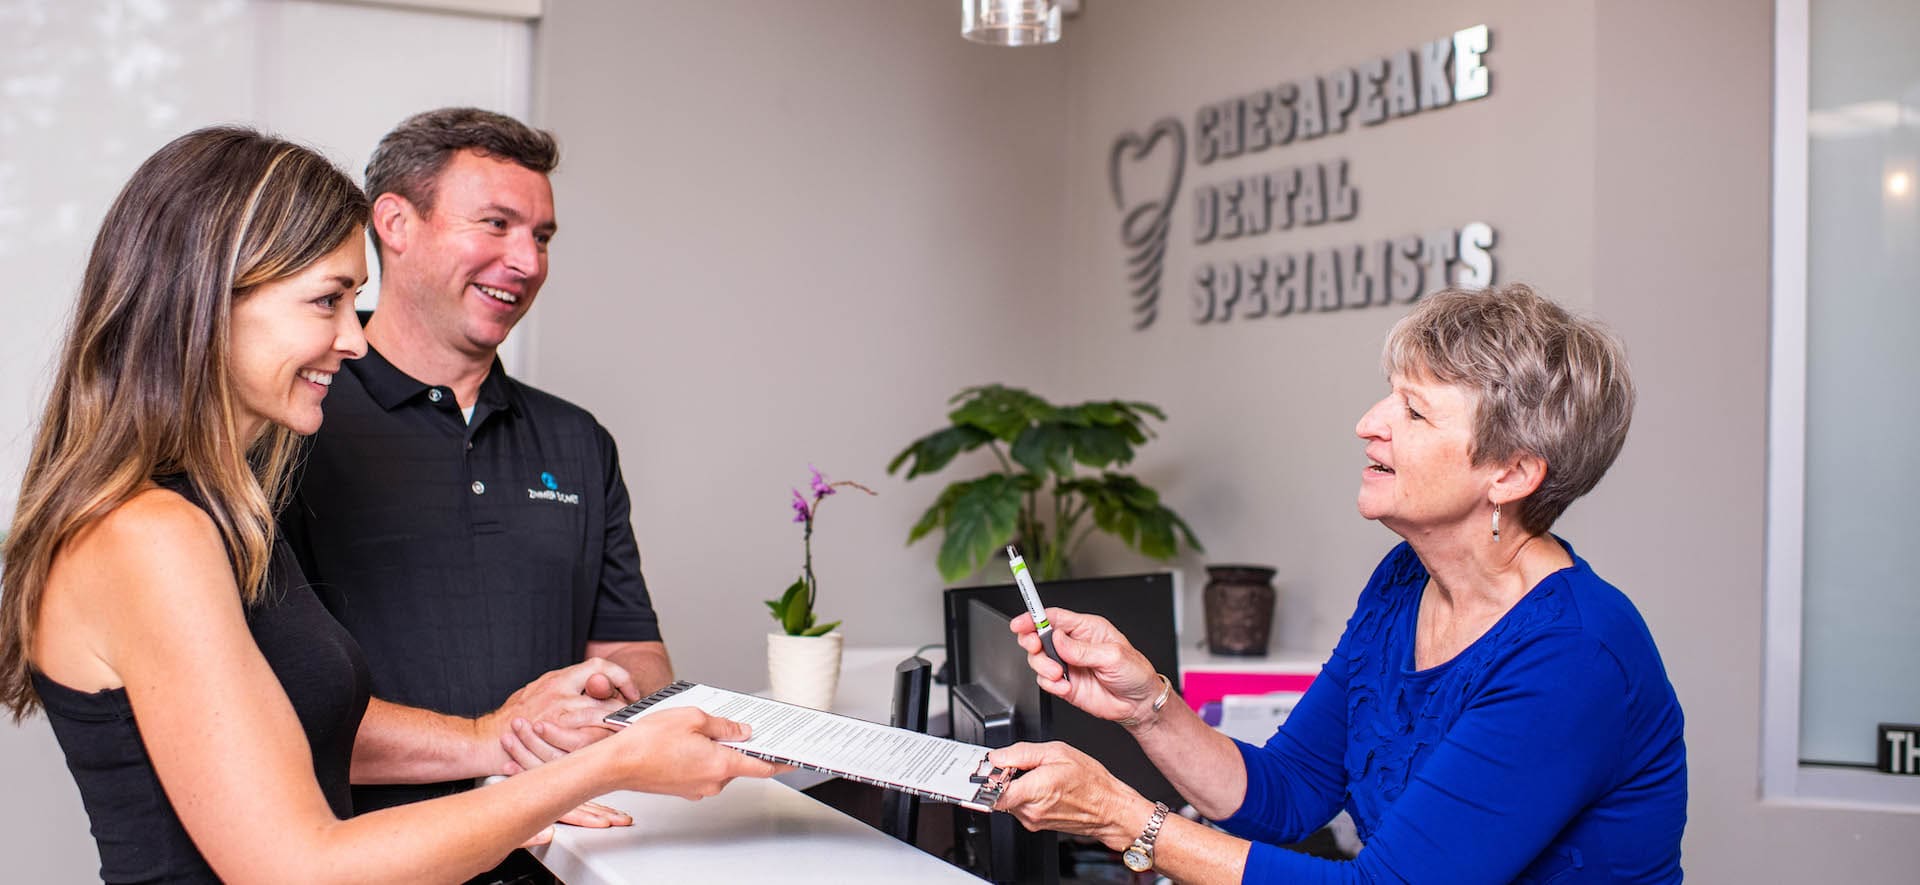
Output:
x=552 y=491
x=1144 y=172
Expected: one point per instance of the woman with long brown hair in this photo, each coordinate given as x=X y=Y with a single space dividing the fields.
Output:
x=206 y=702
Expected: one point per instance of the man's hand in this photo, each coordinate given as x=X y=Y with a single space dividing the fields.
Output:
x=532 y=744
x=647 y=661
x=569 y=703
x=592 y=815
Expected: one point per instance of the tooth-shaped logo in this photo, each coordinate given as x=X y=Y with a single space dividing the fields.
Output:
x=1145 y=177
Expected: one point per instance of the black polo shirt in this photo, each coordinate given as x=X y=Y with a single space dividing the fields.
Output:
x=466 y=558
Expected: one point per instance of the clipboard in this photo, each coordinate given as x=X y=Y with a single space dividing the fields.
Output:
x=892 y=758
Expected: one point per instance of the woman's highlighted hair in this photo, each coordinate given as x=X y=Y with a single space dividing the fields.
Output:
x=144 y=386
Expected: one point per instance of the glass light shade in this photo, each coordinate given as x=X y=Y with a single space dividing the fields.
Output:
x=1010 y=22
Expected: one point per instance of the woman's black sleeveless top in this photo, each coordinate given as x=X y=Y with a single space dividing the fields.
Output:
x=319 y=665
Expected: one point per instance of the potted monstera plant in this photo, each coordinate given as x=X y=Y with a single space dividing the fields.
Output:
x=1055 y=486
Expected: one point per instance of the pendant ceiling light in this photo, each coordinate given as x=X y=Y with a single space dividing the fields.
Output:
x=1011 y=22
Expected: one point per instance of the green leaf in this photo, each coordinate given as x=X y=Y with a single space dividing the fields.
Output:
x=983 y=519
x=1186 y=531
x=794 y=609
x=1045 y=447
x=938 y=449
x=1130 y=491
x=1156 y=533
x=1047 y=444
x=929 y=520
x=936 y=515
x=779 y=606
x=1100 y=445
x=821 y=630
x=1131 y=511
x=1000 y=411
x=1075 y=416
x=1105 y=413
x=1133 y=421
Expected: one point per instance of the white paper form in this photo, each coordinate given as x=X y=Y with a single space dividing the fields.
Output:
x=1254 y=718
x=895 y=758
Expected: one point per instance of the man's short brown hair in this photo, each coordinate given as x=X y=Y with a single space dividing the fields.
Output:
x=409 y=159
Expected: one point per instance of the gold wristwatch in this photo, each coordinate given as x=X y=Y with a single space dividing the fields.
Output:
x=1139 y=856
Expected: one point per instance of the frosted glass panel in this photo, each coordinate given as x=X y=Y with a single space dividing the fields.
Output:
x=87 y=91
x=1862 y=594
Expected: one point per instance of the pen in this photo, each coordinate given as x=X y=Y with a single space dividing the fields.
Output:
x=1032 y=598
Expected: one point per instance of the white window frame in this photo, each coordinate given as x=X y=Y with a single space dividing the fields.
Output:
x=1783 y=778
x=515 y=9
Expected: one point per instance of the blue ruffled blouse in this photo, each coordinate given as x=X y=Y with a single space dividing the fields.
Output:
x=1549 y=750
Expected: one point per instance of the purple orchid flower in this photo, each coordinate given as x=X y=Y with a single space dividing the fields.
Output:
x=795 y=612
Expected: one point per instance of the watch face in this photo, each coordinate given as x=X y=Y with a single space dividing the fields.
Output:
x=1137 y=860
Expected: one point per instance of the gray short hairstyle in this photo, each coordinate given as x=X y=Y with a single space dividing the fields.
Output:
x=409 y=159
x=1547 y=383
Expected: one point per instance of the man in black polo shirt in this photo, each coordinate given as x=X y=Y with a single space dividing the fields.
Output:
x=470 y=531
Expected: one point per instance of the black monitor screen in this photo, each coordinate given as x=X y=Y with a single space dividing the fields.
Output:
x=985 y=654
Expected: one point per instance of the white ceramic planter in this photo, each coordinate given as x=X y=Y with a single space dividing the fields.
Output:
x=804 y=670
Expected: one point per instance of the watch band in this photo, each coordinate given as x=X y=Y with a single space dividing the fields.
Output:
x=1139 y=856
x=1166 y=691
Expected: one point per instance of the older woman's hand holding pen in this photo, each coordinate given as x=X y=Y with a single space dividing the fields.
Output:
x=1110 y=679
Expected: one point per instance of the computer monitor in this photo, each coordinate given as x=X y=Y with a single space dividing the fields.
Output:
x=995 y=701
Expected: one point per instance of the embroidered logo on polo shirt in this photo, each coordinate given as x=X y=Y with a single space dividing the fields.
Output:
x=552 y=491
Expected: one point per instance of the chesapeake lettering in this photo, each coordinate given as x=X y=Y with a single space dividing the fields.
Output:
x=1432 y=75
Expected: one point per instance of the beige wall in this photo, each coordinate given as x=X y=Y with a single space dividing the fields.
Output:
x=1259 y=451
x=788 y=233
x=801 y=237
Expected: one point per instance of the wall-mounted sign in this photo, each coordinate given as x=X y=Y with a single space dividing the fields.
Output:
x=1899 y=749
x=1145 y=172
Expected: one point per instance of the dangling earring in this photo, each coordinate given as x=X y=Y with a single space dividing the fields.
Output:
x=1496 y=522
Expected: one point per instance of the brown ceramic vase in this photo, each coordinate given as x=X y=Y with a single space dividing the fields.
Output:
x=1239 y=606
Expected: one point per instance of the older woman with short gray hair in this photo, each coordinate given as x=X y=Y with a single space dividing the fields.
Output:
x=1494 y=712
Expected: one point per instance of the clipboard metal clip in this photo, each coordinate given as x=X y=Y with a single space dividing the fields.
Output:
x=993 y=781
